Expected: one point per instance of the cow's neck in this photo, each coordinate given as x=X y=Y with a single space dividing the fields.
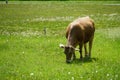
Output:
x=71 y=41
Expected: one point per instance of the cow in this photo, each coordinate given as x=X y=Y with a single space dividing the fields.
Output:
x=79 y=32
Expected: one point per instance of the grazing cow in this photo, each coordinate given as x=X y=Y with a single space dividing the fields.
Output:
x=79 y=32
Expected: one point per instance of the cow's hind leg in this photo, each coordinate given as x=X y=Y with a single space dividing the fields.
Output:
x=85 y=50
x=90 y=45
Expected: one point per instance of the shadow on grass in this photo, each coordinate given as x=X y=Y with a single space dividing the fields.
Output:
x=84 y=60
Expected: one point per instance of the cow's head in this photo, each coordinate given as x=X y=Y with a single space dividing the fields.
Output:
x=69 y=51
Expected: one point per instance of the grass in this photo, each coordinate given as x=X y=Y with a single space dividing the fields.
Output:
x=27 y=53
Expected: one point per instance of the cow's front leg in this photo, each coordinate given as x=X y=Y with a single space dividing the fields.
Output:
x=80 y=47
x=74 y=57
x=86 y=54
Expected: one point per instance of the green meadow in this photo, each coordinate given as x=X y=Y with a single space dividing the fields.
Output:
x=30 y=34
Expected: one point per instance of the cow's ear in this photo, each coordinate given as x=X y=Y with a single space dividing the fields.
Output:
x=61 y=46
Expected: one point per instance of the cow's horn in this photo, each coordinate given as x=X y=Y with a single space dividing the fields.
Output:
x=61 y=46
x=76 y=49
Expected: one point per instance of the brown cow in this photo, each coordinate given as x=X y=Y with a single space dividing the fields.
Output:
x=79 y=32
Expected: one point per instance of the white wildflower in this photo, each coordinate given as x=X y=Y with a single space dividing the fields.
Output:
x=96 y=71
x=40 y=72
x=89 y=78
x=108 y=74
x=69 y=72
x=81 y=77
x=27 y=19
x=31 y=74
x=116 y=75
x=23 y=52
x=72 y=78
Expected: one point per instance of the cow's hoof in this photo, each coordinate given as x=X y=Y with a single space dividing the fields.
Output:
x=74 y=58
x=86 y=55
x=81 y=59
x=68 y=61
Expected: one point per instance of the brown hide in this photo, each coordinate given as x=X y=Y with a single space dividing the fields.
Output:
x=80 y=31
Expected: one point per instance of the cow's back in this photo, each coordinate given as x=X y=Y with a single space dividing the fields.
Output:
x=88 y=28
x=81 y=29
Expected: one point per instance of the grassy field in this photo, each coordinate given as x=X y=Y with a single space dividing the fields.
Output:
x=28 y=53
